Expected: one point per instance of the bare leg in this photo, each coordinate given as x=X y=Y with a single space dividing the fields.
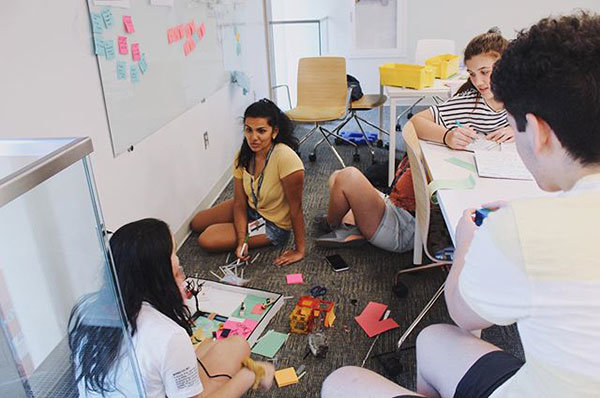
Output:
x=352 y=381
x=349 y=190
x=444 y=354
x=218 y=214
x=221 y=357
x=222 y=237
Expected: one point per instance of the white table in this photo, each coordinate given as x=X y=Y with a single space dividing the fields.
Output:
x=440 y=91
x=454 y=202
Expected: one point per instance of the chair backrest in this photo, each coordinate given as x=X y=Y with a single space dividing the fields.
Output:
x=322 y=82
x=427 y=48
x=419 y=178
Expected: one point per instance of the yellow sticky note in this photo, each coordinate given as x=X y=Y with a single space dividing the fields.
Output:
x=330 y=318
x=286 y=377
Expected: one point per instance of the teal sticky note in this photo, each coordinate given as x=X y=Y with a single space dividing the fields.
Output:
x=97 y=23
x=99 y=45
x=107 y=17
x=249 y=303
x=121 y=70
x=269 y=344
x=238 y=48
x=109 y=49
x=134 y=73
x=143 y=64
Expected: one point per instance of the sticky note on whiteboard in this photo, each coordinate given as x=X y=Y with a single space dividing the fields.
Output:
x=99 y=45
x=128 y=24
x=143 y=64
x=122 y=42
x=97 y=23
x=121 y=70
x=134 y=73
x=135 y=51
x=107 y=17
x=109 y=49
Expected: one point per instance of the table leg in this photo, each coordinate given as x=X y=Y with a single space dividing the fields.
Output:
x=392 y=149
x=379 y=134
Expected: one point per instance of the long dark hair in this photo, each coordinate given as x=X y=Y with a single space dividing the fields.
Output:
x=490 y=42
x=276 y=119
x=142 y=256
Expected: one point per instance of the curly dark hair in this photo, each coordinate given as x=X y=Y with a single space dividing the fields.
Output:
x=276 y=119
x=552 y=71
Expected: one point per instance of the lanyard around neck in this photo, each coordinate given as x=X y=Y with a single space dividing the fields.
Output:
x=261 y=177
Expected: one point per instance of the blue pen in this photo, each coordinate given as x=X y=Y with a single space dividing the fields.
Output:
x=459 y=124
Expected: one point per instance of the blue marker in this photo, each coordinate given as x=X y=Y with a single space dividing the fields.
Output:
x=481 y=214
x=459 y=124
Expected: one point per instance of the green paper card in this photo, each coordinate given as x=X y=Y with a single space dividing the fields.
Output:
x=249 y=302
x=269 y=344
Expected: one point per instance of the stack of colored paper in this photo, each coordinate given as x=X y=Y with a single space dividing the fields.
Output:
x=370 y=319
x=286 y=377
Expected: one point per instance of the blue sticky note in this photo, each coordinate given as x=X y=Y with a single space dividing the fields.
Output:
x=97 y=23
x=238 y=48
x=109 y=49
x=121 y=70
x=133 y=72
x=143 y=64
x=107 y=17
x=99 y=45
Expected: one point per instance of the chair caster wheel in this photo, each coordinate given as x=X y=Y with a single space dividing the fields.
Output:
x=387 y=146
x=373 y=160
x=356 y=157
x=410 y=114
x=398 y=127
x=379 y=143
x=338 y=141
x=312 y=156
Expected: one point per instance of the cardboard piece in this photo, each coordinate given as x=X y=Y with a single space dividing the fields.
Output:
x=293 y=279
x=286 y=377
x=370 y=319
x=270 y=344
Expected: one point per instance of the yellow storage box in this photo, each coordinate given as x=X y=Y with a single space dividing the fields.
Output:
x=445 y=65
x=405 y=75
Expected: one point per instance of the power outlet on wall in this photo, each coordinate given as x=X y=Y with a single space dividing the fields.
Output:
x=206 y=140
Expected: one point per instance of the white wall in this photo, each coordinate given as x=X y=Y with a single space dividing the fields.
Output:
x=51 y=87
x=457 y=20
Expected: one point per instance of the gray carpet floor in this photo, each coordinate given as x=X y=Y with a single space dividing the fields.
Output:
x=370 y=278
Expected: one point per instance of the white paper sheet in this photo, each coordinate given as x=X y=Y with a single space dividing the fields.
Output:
x=164 y=3
x=221 y=302
x=501 y=164
x=483 y=144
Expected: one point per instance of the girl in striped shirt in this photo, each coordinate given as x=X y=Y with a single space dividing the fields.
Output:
x=473 y=110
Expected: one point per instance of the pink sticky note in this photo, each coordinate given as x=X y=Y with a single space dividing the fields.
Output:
x=190 y=27
x=189 y=46
x=294 y=279
x=122 y=41
x=171 y=36
x=128 y=23
x=135 y=51
x=181 y=30
x=258 y=309
x=370 y=319
x=201 y=30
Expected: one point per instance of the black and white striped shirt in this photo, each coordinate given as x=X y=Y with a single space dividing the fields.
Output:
x=470 y=109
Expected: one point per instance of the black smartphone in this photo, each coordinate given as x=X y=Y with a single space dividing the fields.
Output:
x=337 y=263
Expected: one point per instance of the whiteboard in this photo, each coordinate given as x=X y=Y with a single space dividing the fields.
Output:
x=187 y=52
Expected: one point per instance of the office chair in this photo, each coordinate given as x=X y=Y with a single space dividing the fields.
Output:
x=323 y=96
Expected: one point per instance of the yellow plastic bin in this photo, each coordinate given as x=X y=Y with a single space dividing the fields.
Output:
x=405 y=75
x=445 y=65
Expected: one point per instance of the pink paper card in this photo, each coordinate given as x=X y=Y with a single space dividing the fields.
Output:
x=370 y=319
x=293 y=279
x=258 y=309
x=122 y=41
x=135 y=51
x=190 y=27
x=243 y=329
x=201 y=31
x=171 y=37
x=181 y=31
x=189 y=46
x=128 y=24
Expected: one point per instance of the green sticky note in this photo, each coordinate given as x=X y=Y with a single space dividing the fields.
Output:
x=461 y=163
x=436 y=185
x=269 y=344
x=249 y=303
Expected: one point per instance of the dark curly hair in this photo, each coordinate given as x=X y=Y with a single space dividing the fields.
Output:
x=552 y=71
x=492 y=42
x=276 y=119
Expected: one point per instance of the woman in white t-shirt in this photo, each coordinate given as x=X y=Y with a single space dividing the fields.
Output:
x=473 y=112
x=150 y=281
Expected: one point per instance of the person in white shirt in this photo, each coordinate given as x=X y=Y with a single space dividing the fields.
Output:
x=533 y=261
x=153 y=355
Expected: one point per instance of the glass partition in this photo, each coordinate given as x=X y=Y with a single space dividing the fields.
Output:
x=54 y=255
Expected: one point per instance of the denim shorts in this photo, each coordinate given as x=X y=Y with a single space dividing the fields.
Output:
x=396 y=230
x=277 y=236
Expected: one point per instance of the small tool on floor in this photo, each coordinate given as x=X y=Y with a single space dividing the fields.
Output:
x=362 y=365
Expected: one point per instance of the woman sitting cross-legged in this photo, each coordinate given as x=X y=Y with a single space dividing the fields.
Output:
x=268 y=179
x=150 y=281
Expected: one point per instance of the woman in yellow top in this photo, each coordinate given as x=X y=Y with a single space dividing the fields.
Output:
x=268 y=180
